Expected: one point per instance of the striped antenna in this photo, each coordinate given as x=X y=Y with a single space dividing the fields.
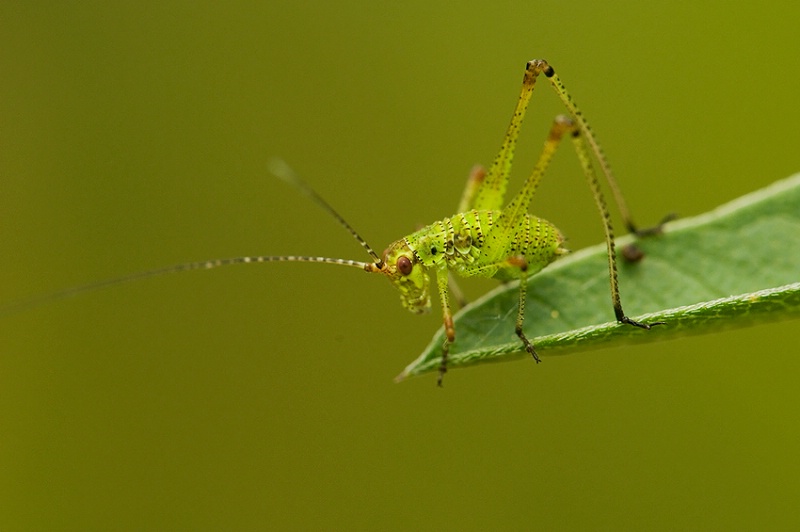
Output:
x=281 y=170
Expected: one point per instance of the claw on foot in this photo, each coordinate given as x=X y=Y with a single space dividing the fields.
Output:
x=641 y=325
x=528 y=345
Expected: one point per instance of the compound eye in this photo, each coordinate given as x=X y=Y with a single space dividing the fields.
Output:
x=404 y=265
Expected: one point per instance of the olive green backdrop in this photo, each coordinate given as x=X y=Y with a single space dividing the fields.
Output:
x=262 y=397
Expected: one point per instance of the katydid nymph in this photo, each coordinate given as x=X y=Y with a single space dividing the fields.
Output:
x=485 y=238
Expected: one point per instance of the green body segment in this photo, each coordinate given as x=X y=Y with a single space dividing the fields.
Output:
x=469 y=245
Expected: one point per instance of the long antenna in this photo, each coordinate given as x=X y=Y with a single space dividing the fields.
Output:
x=281 y=170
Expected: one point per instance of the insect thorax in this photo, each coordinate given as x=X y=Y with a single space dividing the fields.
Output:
x=469 y=244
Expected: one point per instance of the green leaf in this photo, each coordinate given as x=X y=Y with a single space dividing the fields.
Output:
x=734 y=266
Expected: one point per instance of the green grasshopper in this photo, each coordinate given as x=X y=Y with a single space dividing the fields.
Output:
x=487 y=239
x=484 y=239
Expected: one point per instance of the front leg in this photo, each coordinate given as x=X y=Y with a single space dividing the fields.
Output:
x=474 y=182
x=442 y=276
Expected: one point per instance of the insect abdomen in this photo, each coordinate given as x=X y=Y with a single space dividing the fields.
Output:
x=538 y=241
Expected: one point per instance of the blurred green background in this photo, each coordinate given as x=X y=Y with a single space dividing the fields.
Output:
x=135 y=136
